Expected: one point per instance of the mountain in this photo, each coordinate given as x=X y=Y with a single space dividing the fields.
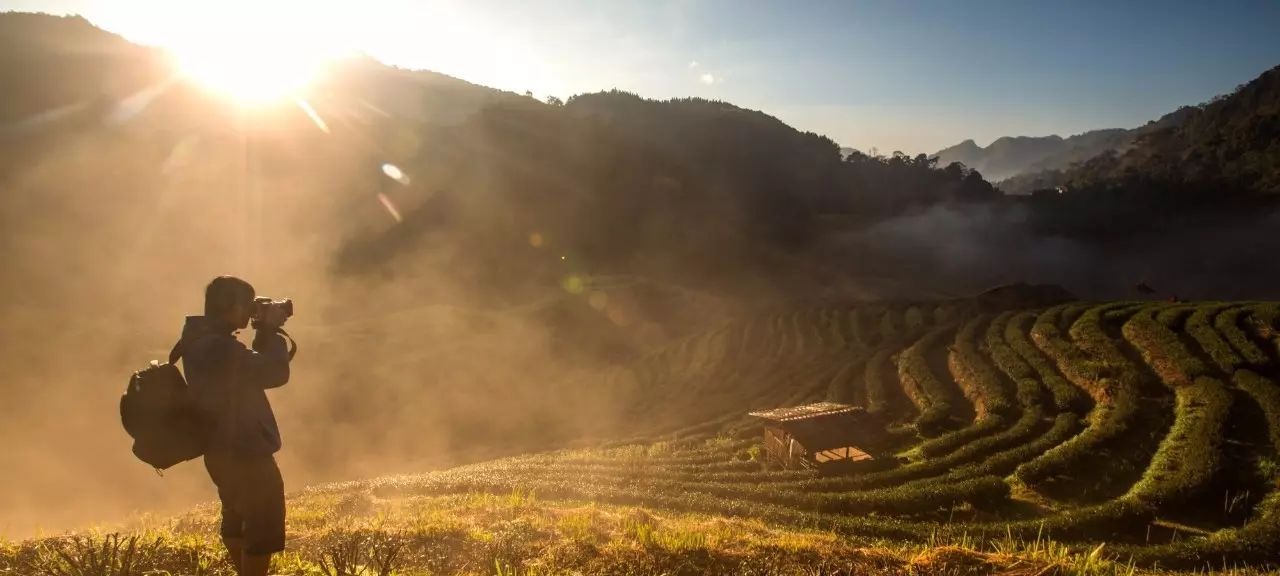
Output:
x=1046 y=173
x=1010 y=156
x=1226 y=142
x=1216 y=153
x=1227 y=146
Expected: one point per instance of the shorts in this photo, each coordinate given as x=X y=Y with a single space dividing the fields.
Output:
x=252 y=495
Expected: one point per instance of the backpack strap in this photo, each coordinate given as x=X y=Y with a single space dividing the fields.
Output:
x=293 y=346
x=176 y=352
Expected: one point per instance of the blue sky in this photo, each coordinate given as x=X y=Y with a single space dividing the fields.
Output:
x=895 y=75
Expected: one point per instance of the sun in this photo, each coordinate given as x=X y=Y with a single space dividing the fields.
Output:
x=254 y=76
x=254 y=53
x=252 y=72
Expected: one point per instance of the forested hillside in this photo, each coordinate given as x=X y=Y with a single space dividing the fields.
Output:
x=1223 y=150
x=1228 y=146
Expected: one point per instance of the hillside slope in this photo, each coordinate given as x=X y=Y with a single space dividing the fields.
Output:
x=1225 y=148
x=1231 y=143
x=1131 y=432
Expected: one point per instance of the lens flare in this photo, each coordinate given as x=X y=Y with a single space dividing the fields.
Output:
x=313 y=115
x=573 y=284
x=391 y=207
x=395 y=173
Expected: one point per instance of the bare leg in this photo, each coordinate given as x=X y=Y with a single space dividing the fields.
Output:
x=255 y=564
x=235 y=552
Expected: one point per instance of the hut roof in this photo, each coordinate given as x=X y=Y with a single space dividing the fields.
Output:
x=806 y=411
x=827 y=425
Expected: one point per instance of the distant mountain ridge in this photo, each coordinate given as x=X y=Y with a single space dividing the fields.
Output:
x=1010 y=156
x=1018 y=162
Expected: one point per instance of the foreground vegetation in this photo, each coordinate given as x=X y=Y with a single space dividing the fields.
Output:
x=1107 y=438
x=341 y=532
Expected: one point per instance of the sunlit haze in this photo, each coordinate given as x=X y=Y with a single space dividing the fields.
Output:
x=868 y=74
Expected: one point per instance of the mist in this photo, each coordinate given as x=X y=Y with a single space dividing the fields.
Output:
x=427 y=337
x=962 y=249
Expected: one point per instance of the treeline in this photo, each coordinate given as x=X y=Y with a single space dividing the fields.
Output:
x=617 y=181
x=776 y=169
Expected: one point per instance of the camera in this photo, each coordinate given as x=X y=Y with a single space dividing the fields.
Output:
x=265 y=309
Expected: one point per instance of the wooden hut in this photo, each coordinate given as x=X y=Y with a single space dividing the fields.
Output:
x=825 y=436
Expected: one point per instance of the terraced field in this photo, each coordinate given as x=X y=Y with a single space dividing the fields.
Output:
x=1143 y=433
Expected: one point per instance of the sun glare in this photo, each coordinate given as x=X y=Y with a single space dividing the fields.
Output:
x=256 y=56
x=255 y=75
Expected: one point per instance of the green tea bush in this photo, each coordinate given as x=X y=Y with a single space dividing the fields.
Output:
x=1256 y=542
x=938 y=402
x=982 y=384
x=880 y=399
x=1199 y=327
x=1267 y=394
x=1227 y=324
x=1080 y=368
x=1104 y=359
x=949 y=441
x=1122 y=424
x=1106 y=424
x=1161 y=348
x=1191 y=453
x=1066 y=396
x=968 y=457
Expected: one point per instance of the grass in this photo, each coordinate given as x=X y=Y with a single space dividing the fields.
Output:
x=480 y=534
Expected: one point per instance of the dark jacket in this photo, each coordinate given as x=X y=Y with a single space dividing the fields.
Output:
x=229 y=383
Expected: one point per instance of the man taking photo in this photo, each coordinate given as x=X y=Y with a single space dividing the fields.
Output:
x=228 y=383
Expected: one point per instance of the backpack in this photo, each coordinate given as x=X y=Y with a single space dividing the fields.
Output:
x=158 y=413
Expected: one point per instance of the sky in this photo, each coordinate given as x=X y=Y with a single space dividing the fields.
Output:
x=914 y=76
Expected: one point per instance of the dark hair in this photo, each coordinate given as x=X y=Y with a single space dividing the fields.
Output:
x=224 y=292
